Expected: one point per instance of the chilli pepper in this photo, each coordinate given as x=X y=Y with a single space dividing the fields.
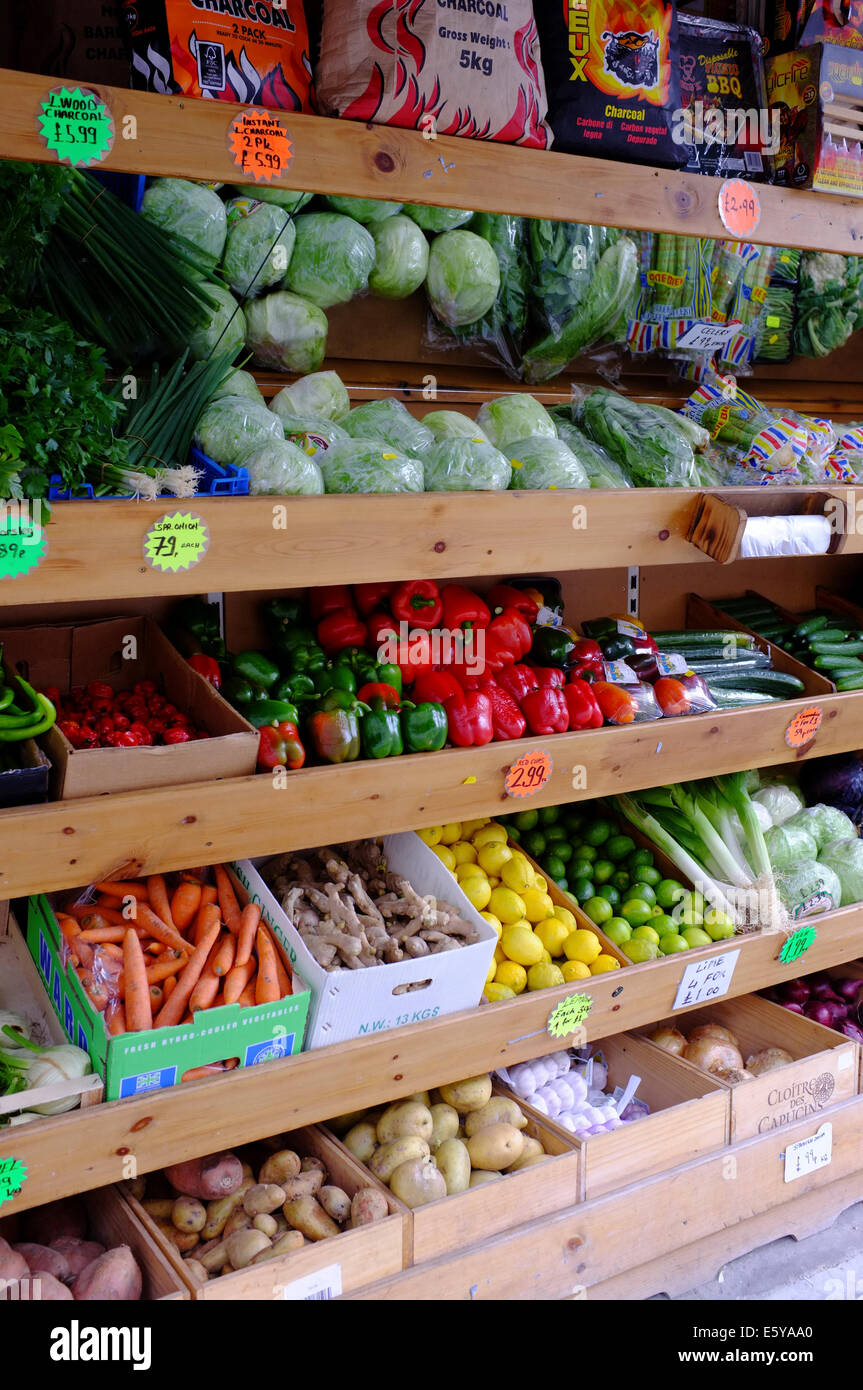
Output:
x=368 y=597
x=469 y=719
x=330 y=599
x=587 y=657
x=417 y=602
x=463 y=609
x=380 y=728
x=279 y=745
x=501 y=596
x=546 y=710
x=208 y=667
x=549 y=675
x=424 y=726
x=261 y=712
x=507 y=720
x=552 y=646
x=145 y=734
x=582 y=704
x=178 y=735
x=335 y=730
x=517 y=680
x=341 y=629
x=436 y=686
x=377 y=690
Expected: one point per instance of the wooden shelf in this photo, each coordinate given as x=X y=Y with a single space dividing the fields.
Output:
x=223 y=1111
x=185 y=138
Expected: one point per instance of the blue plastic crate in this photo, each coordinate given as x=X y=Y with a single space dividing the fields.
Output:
x=128 y=187
x=217 y=481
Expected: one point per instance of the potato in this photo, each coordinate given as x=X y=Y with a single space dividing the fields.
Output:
x=340 y=1124
x=481 y=1175
x=500 y=1109
x=78 y=1253
x=265 y=1223
x=470 y=1094
x=243 y=1246
x=12 y=1264
x=306 y=1185
x=362 y=1140
x=181 y=1240
x=453 y=1160
x=188 y=1214
x=291 y=1240
x=115 y=1276
x=279 y=1166
x=196 y=1269
x=248 y=1171
x=495 y=1146
x=216 y=1175
x=35 y=1288
x=41 y=1258
x=160 y=1208
x=137 y=1188
x=404 y=1118
x=220 y=1210
x=216 y=1258
x=418 y=1182
x=239 y=1220
x=444 y=1125
x=368 y=1205
x=311 y=1162
x=264 y=1197
x=527 y=1161
x=44 y=1225
x=307 y=1215
x=421 y=1097
x=335 y=1202
x=532 y=1149
x=388 y=1157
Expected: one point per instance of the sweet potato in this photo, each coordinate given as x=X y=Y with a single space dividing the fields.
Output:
x=78 y=1253
x=45 y=1225
x=36 y=1288
x=216 y=1175
x=43 y=1258
x=114 y=1277
x=12 y=1265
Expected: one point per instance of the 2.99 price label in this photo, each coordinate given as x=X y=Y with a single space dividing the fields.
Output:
x=528 y=773
x=260 y=144
x=739 y=207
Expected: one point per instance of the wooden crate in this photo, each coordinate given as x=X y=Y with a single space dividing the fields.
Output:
x=112 y=1222
x=824 y=1072
x=353 y=1258
x=701 y=613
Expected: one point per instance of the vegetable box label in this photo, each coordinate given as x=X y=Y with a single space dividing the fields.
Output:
x=76 y=126
x=13 y=1176
x=807 y=1155
x=706 y=980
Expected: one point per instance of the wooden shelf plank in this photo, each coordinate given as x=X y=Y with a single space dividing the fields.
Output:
x=187 y=138
x=73 y=1152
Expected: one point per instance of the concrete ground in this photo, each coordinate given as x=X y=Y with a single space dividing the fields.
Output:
x=824 y=1266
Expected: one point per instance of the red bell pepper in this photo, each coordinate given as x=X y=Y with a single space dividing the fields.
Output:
x=582 y=704
x=463 y=609
x=370 y=596
x=341 y=629
x=509 y=631
x=418 y=657
x=469 y=719
x=546 y=710
x=587 y=657
x=436 y=686
x=329 y=600
x=549 y=675
x=208 y=667
x=501 y=596
x=279 y=745
x=471 y=675
x=507 y=720
x=517 y=680
x=379 y=690
x=417 y=602
x=380 y=625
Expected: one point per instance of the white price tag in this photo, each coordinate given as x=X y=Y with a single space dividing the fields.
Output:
x=808 y=1154
x=619 y=673
x=671 y=663
x=325 y=1283
x=706 y=980
x=708 y=337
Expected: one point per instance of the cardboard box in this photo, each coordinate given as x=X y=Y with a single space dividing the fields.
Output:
x=799 y=23
x=121 y=651
x=150 y=1061
x=818 y=93
x=348 y=1004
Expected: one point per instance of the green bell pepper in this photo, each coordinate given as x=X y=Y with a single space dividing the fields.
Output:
x=307 y=657
x=261 y=712
x=295 y=688
x=238 y=690
x=288 y=639
x=335 y=727
x=256 y=666
x=388 y=674
x=552 y=646
x=196 y=616
x=335 y=677
x=356 y=660
x=380 y=731
x=424 y=727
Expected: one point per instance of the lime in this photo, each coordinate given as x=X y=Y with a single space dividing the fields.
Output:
x=718 y=925
x=563 y=850
x=671 y=942
x=514 y=833
x=588 y=852
x=664 y=925
x=669 y=892
x=584 y=890
x=617 y=929
x=636 y=911
x=562 y=883
x=695 y=936
x=619 y=846
x=574 y=821
x=526 y=820
x=610 y=892
x=646 y=934
x=555 y=832
x=640 y=951
x=637 y=858
x=642 y=891
x=599 y=910
x=647 y=874
x=554 y=867
x=534 y=843
x=579 y=868
x=549 y=815
x=602 y=870
x=598 y=832
x=621 y=879
x=691 y=909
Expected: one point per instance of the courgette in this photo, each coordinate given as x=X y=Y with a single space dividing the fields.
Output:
x=811 y=625
x=841 y=665
x=850 y=682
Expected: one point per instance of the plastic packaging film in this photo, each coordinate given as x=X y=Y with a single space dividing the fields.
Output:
x=771 y=536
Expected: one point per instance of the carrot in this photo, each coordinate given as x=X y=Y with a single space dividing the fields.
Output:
x=95 y=993
x=203 y=996
x=124 y=889
x=157 y=996
x=168 y=987
x=164 y=967
x=107 y=953
x=160 y=930
x=247 y=998
x=104 y=933
x=159 y=898
x=172 y=1011
x=115 y=1018
x=209 y=893
x=208 y=913
x=224 y=958
x=184 y=904
x=249 y=920
x=267 y=987
x=283 y=974
x=105 y=917
x=139 y=1013
x=236 y=980
x=227 y=899
x=197 y=1073
x=71 y=931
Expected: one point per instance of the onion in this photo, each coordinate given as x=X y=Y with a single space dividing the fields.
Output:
x=819 y=1013
x=838 y=1011
x=793 y=1008
x=670 y=1040
x=824 y=992
x=635 y=1110
x=711 y=1054
x=713 y=1030
x=733 y=1076
x=848 y=989
x=795 y=992
x=767 y=1060
x=851 y=1031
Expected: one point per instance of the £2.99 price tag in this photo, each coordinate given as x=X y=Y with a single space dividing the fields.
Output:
x=259 y=144
x=739 y=208
x=528 y=773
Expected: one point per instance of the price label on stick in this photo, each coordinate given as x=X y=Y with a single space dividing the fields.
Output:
x=260 y=145
x=739 y=208
x=76 y=125
x=13 y=1176
x=797 y=944
x=528 y=773
x=706 y=980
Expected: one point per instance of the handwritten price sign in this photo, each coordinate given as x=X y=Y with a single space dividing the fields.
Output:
x=568 y=1016
x=739 y=208
x=797 y=944
x=803 y=727
x=528 y=773
x=13 y=1175
x=76 y=126
x=260 y=144
x=176 y=542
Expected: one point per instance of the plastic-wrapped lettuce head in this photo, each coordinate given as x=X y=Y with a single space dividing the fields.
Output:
x=366 y=210
x=320 y=393
x=232 y=425
x=465 y=465
x=279 y=467
x=785 y=845
x=518 y=416
x=369 y=465
x=463 y=277
x=310 y=433
x=226 y=330
x=240 y=383
x=332 y=259
x=391 y=421
x=808 y=888
x=401 y=258
x=287 y=198
x=436 y=219
x=189 y=210
x=845 y=858
x=259 y=246
x=287 y=332
x=452 y=424
x=780 y=801
x=541 y=462
x=824 y=823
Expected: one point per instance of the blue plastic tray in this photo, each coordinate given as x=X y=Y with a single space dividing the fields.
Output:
x=128 y=187
x=216 y=482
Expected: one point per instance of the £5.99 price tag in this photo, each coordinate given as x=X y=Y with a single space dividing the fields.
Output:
x=809 y=1154
x=76 y=126
x=706 y=980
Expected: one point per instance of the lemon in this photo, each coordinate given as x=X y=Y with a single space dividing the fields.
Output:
x=546 y=957
x=492 y=971
x=540 y=883
x=517 y=874
x=464 y=852
x=470 y=827
x=537 y=905
x=495 y=992
x=582 y=945
x=450 y=832
x=477 y=891
x=520 y=944
x=544 y=976
x=493 y=922
x=431 y=835
x=494 y=880
x=646 y=934
x=445 y=855
x=493 y=857
x=463 y=871
x=489 y=835
x=512 y=974
x=604 y=963
x=552 y=933
x=506 y=905
x=499 y=956
x=565 y=916
x=574 y=970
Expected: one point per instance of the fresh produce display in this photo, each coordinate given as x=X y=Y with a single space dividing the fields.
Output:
x=24 y=1066
x=98 y=716
x=826 y=640
x=571 y=1091
x=716 y=1050
x=438 y=1143
x=57 y=1250
x=731 y=664
x=833 y=1000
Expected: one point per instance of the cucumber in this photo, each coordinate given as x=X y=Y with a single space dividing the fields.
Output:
x=727 y=698
x=829 y=634
x=850 y=682
x=841 y=665
x=836 y=648
x=779 y=683
x=682 y=640
x=811 y=625
x=730 y=668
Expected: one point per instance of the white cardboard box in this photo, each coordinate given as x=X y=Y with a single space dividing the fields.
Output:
x=348 y=1004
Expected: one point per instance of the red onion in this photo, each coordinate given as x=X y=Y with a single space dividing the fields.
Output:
x=848 y=989
x=851 y=1031
x=795 y=991
x=793 y=1008
x=838 y=1011
x=819 y=1013
x=824 y=991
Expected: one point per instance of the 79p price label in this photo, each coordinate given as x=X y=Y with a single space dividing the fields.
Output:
x=528 y=773
x=259 y=144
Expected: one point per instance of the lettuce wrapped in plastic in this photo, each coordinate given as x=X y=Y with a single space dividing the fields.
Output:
x=232 y=425
x=226 y=330
x=259 y=246
x=240 y=383
x=189 y=210
x=287 y=332
x=788 y=843
x=332 y=259
x=369 y=465
x=436 y=219
x=312 y=434
x=824 y=823
x=780 y=801
x=280 y=467
x=391 y=421
x=365 y=210
x=845 y=858
x=463 y=277
x=499 y=333
x=452 y=424
x=540 y=463
x=599 y=466
x=319 y=393
x=288 y=198
x=808 y=888
x=465 y=465
x=518 y=416
x=401 y=258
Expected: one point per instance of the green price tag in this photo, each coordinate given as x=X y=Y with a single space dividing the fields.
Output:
x=76 y=125
x=773 y=321
x=177 y=541
x=797 y=944
x=22 y=539
x=13 y=1176
x=569 y=1015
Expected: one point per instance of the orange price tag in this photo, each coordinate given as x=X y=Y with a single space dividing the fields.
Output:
x=739 y=207
x=260 y=144
x=528 y=773
x=803 y=727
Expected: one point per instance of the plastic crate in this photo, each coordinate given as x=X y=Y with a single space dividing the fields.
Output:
x=217 y=481
x=128 y=187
